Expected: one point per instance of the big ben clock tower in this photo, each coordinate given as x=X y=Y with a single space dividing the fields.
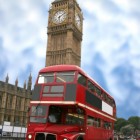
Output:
x=65 y=25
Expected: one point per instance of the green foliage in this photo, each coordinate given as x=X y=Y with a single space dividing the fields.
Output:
x=128 y=130
x=127 y=127
x=120 y=123
x=135 y=121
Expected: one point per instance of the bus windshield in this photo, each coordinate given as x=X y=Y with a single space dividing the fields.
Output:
x=38 y=113
x=66 y=115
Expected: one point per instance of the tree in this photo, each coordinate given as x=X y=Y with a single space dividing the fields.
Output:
x=135 y=121
x=120 y=123
x=128 y=130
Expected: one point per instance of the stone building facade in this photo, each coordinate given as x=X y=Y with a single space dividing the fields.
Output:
x=14 y=102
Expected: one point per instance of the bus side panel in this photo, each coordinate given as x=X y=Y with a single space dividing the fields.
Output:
x=94 y=133
x=80 y=94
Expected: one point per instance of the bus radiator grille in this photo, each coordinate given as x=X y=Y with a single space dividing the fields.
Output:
x=40 y=136
x=44 y=136
x=50 y=137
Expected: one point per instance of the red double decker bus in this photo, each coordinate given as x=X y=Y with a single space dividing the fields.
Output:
x=67 y=104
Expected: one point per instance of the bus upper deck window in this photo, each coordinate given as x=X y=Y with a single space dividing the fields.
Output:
x=65 y=76
x=82 y=80
x=46 y=78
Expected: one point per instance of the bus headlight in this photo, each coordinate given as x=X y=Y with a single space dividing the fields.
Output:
x=29 y=136
x=65 y=139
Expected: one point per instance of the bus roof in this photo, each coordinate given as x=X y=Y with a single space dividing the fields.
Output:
x=62 y=68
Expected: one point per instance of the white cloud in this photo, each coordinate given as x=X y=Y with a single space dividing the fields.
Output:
x=23 y=26
x=128 y=6
x=111 y=29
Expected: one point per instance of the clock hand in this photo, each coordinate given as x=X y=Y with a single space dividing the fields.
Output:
x=62 y=14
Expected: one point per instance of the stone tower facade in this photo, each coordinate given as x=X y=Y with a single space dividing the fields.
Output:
x=65 y=24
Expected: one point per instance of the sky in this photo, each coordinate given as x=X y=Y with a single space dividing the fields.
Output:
x=110 y=46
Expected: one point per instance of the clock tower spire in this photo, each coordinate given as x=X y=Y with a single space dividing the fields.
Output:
x=65 y=25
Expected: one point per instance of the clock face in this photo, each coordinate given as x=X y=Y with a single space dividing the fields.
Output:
x=77 y=20
x=59 y=16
